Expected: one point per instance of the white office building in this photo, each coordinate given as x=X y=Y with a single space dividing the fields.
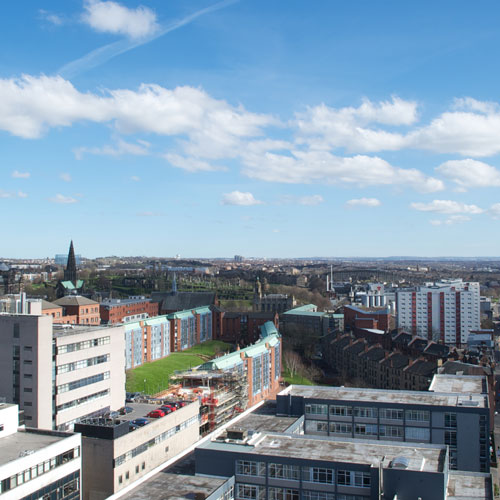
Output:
x=37 y=464
x=445 y=311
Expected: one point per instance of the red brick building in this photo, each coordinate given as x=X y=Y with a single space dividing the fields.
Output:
x=363 y=317
x=85 y=310
x=114 y=311
x=244 y=327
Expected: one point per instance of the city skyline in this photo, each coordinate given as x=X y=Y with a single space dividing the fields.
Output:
x=237 y=127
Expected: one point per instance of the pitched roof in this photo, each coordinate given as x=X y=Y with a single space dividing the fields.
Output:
x=49 y=305
x=75 y=300
x=180 y=301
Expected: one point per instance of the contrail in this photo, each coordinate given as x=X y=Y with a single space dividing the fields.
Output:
x=105 y=53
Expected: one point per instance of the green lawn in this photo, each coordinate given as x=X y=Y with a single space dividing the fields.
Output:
x=296 y=379
x=157 y=373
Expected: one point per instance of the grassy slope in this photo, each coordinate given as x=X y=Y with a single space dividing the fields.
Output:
x=157 y=373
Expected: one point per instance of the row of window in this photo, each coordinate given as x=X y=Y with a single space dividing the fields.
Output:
x=76 y=384
x=368 y=412
x=256 y=492
x=154 y=441
x=320 y=475
x=37 y=470
x=84 y=363
x=366 y=430
x=85 y=344
x=83 y=400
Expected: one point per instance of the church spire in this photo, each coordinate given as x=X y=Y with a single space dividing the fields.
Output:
x=70 y=271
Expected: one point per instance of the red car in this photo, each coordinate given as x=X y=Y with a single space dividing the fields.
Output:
x=156 y=414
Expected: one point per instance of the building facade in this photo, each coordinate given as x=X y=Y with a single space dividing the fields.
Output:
x=458 y=418
x=445 y=311
x=59 y=374
x=114 y=311
x=84 y=310
x=37 y=464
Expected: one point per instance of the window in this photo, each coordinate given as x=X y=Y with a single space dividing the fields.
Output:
x=365 y=430
x=450 y=420
x=315 y=409
x=354 y=478
x=417 y=434
x=127 y=475
x=317 y=495
x=143 y=465
x=16 y=330
x=280 y=471
x=365 y=412
x=391 y=431
x=341 y=411
x=137 y=469
x=318 y=475
x=391 y=414
x=417 y=415
x=316 y=426
x=282 y=494
x=340 y=428
x=250 y=492
x=248 y=468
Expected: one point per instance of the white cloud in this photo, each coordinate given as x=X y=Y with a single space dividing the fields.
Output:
x=135 y=178
x=314 y=199
x=470 y=173
x=323 y=127
x=494 y=211
x=111 y=17
x=121 y=148
x=65 y=177
x=447 y=207
x=8 y=194
x=52 y=18
x=60 y=198
x=363 y=202
x=20 y=175
x=240 y=198
x=190 y=164
x=454 y=219
x=322 y=166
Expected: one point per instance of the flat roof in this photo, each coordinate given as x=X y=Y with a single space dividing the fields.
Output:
x=123 y=302
x=464 y=384
x=165 y=486
x=265 y=423
x=466 y=485
x=428 y=458
x=65 y=330
x=358 y=395
x=14 y=445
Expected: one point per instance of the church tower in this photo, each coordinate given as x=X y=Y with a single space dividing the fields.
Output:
x=70 y=271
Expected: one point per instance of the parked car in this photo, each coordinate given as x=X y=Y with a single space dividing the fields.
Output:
x=158 y=413
x=182 y=404
x=125 y=410
x=132 y=426
x=140 y=421
x=167 y=409
x=130 y=397
x=112 y=414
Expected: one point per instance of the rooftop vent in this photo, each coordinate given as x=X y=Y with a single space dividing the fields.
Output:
x=400 y=463
x=237 y=434
x=25 y=453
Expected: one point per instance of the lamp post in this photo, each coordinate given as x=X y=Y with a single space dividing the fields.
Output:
x=144 y=386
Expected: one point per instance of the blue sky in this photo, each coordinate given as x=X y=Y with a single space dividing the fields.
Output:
x=274 y=129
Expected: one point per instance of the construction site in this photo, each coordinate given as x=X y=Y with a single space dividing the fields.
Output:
x=222 y=394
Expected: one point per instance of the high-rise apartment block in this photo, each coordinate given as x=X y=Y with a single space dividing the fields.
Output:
x=445 y=311
x=59 y=374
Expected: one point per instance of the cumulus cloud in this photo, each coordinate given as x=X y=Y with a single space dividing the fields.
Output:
x=323 y=127
x=112 y=17
x=190 y=164
x=447 y=207
x=470 y=173
x=240 y=198
x=50 y=17
x=322 y=166
x=494 y=211
x=454 y=219
x=135 y=178
x=363 y=202
x=314 y=199
x=21 y=175
x=120 y=148
x=8 y=194
x=21 y=194
x=60 y=198
x=65 y=176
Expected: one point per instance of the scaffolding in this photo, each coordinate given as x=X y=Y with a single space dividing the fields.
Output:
x=222 y=394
